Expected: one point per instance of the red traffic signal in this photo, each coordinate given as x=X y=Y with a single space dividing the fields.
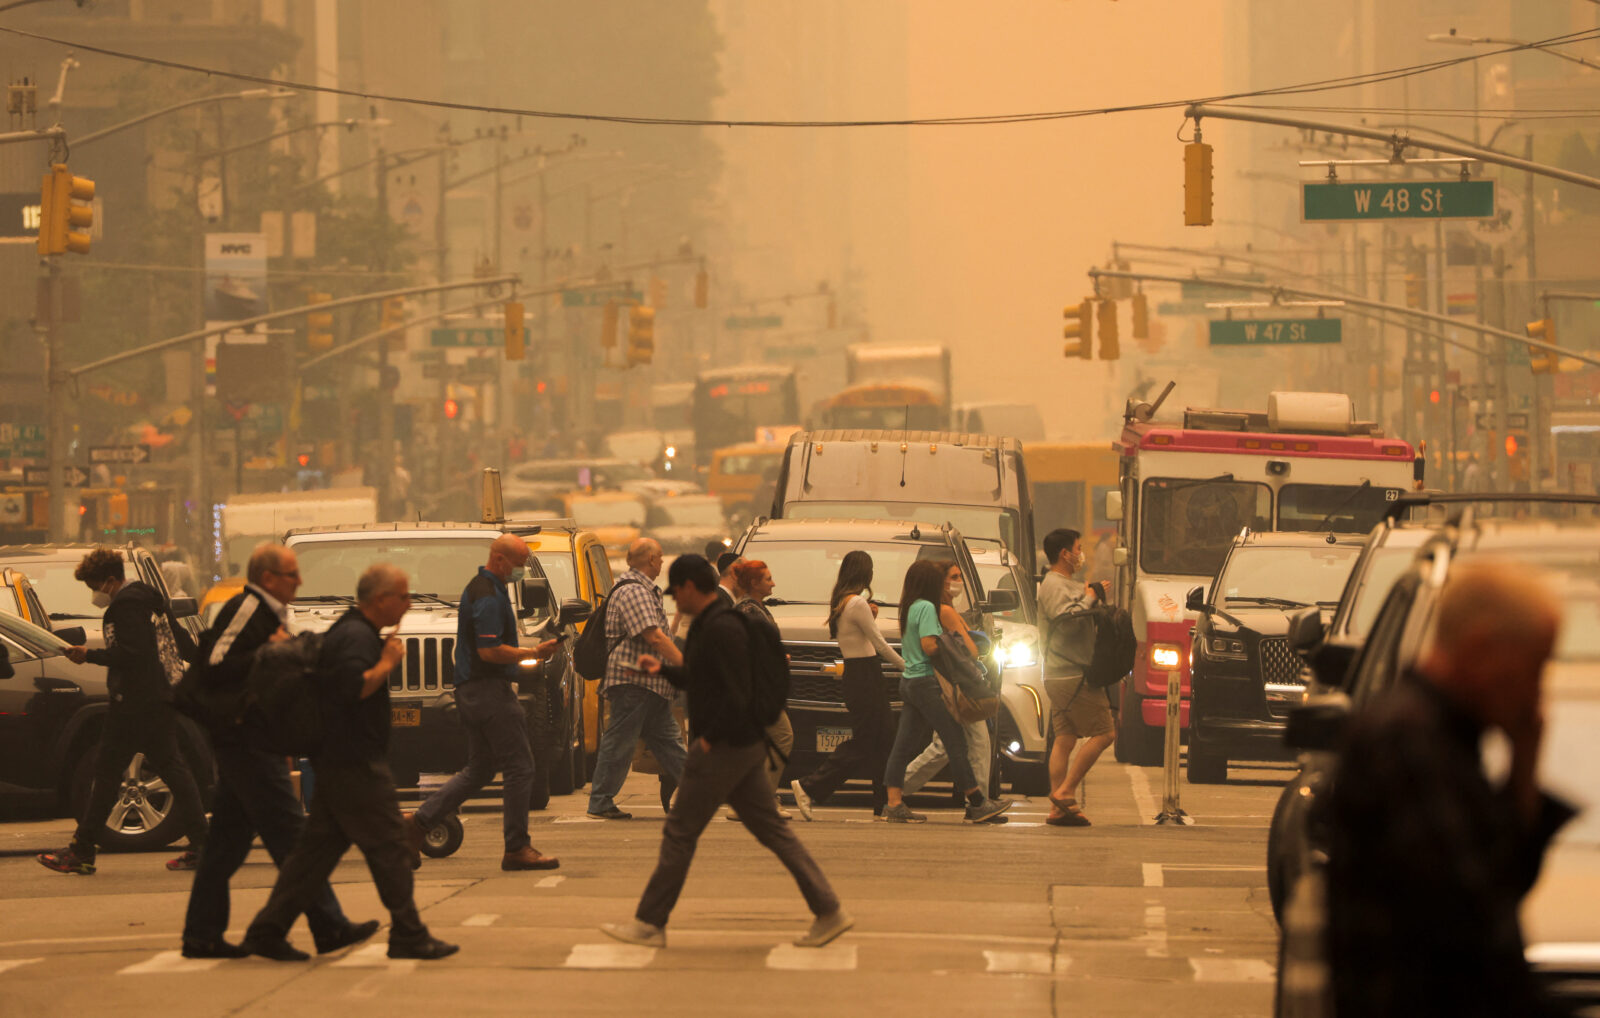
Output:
x=452 y=409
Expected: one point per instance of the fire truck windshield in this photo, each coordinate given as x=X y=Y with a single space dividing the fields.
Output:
x=1187 y=524
x=1342 y=508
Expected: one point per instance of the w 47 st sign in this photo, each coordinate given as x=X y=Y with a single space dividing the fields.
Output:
x=1453 y=199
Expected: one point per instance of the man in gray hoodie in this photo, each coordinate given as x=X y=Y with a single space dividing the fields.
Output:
x=1077 y=711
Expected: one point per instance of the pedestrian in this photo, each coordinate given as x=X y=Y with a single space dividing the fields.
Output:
x=143 y=656
x=933 y=759
x=727 y=585
x=752 y=586
x=715 y=548
x=853 y=621
x=639 y=702
x=254 y=794
x=1429 y=859
x=1066 y=615
x=727 y=763
x=488 y=664
x=355 y=800
x=922 y=711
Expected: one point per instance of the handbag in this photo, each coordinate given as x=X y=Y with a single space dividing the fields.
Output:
x=968 y=694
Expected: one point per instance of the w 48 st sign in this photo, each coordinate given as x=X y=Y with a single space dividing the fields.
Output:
x=1453 y=199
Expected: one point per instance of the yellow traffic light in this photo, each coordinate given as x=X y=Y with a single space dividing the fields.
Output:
x=516 y=339
x=1416 y=296
x=1543 y=362
x=702 y=289
x=63 y=225
x=1110 y=350
x=1080 y=326
x=319 y=324
x=641 y=335
x=608 y=325
x=1197 y=184
x=1141 y=316
x=394 y=312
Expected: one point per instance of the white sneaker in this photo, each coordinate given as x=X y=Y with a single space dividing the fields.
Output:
x=825 y=929
x=784 y=814
x=802 y=801
x=641 y=933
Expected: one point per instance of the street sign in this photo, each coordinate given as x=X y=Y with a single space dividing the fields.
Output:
x=597 y=296
x=480 y=369
x=1277 y=332
x=1452 y=199
x=471 y=336
x=77 y=477
x=21 y=441
x=753 y=322
x=1517 y=420
x=119 y=454
x=19 y=215
x=434 y=369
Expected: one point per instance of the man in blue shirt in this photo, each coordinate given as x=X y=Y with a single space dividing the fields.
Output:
x=488 y=663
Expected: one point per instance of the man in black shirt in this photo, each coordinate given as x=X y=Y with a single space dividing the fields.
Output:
x=727 y=763
x=355 y=800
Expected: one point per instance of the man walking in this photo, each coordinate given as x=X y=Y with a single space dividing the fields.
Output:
x=640 y=703
x=254 y=794
x=142 y=659
x=726 y=763
x=1076 y=711
x=355 y=800
x=488 y=663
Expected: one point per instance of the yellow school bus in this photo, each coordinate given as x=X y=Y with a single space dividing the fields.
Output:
x=1068 y=482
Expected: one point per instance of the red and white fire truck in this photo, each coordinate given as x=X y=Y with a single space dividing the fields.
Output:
x=1187 y=488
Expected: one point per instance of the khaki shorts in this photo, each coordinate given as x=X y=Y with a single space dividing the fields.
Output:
x=1082 y=716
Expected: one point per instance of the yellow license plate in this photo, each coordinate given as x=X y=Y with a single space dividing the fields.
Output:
x=405 y=717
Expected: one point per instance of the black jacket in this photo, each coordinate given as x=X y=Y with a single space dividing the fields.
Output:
x=142 y=660
x=716 y=676
x=355 y=730
x=243 y=625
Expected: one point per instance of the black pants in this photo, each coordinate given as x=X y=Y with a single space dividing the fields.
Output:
x=150 y=728
x=355 y=803
x=866 y=697
x=254 y=796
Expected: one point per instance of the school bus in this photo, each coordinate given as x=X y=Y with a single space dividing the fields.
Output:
x=1069 y=481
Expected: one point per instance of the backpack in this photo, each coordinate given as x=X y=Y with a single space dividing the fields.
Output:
x=1114 y=648
x=282 y=696
x=590 y=650
x=967 y=692
x=769 y=670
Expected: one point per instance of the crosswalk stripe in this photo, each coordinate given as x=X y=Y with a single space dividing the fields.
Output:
x=481 y=920
x=11 y=963
x=169 y=963
x=375 y=956
x=1020 y=962
x=833 y=958
x=1231 y=970
x=550 y=881
x=609 y=956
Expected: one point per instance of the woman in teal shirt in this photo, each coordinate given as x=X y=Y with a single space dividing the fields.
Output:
x=923 y=711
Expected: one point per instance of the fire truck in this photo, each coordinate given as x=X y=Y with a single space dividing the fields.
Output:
x=1186 y=490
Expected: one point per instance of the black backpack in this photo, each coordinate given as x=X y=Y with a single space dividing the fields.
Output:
x=1114 y=647
x=769 y=670
x=590 y=649
x=282 y=697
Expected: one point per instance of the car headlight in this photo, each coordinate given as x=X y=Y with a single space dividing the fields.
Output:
x=1166 y=657
x=1019 y=653
x=529 y=662
x=1224 y=648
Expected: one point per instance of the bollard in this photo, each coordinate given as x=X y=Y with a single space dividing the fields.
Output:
x=1171 y=812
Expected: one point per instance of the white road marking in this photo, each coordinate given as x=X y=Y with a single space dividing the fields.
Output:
x=1155 y=931
x=1153 y=876
x=169 y=963
x=551 y=881
x=375 y=956
x=1039 y=963
x=833 y=958
x=486 y=919
x=1231 y=970
x=12 y=963
x=609 y=956
x=1143 y=800
x=579 y=819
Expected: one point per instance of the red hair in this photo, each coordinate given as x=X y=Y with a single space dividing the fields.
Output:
x=748 y=571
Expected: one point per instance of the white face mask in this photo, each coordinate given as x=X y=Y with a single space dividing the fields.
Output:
x=954 y=589
x=1082 y=558
x=100 y=599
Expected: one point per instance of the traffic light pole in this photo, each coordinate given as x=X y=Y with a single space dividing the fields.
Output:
x=56 y=379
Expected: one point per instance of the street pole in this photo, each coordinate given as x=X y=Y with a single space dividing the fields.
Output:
x=1543 y=385
x=380 y=256
x=56 y=377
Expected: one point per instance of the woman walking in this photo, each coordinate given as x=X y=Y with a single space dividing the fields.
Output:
x=852 y=620
x=752 y=585
x=923 y=711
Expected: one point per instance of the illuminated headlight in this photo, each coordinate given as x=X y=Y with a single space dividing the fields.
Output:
x=530 y=663
x=671 y=451
x=1225 y=648
x=1166 y=657
x=1021 y=653
x=1015 y=746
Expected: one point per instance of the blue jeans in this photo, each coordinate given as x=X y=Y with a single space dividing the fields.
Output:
x=497 y=742
x=922 y=715
x=635 y=713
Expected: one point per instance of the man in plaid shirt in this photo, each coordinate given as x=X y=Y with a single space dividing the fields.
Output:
x=640 y=703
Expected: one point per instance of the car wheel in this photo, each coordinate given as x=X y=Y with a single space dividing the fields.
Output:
x=1205 y=767
x=1137 y=743
x=559 y=734
x=539 y=742
x=142 y=817
x=580 y=764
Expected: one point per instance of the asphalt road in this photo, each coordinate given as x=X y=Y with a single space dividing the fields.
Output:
x=1021 y=920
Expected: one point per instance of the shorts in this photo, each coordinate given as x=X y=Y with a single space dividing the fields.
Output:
x=1082 y=716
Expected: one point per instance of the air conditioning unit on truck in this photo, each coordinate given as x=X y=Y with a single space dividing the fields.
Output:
x=1188 y=487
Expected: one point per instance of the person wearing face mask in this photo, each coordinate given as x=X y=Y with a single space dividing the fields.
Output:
x=488 y=663
x=1076 y=711
x=144 y=655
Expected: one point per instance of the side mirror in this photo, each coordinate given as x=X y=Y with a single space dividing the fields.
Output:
x=573 y=611
x=1306 y=632
x=1003 y=600
x=73 y=635
x=1317 y=726
x=535 y=596
x=1113 y=506
x=184 y=607
x=1196 y=601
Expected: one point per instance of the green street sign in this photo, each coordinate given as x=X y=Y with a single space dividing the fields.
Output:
x=483 y=336
x=1455 y=199
x=753 y=322
x=1277 y=332
x=598 y=296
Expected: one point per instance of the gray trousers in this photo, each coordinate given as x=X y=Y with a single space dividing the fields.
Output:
x=736 y=775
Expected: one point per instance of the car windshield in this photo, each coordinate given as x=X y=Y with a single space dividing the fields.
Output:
x=804 y=571
x=441 y=566
x=1281 y=577
x=973 y=522
x=1341 y=508
x=557 y=565
x=594 y=512
x=1382 y=570
x=1188 y=523
x=63 y=596
x=35 y=640
x=687 y=512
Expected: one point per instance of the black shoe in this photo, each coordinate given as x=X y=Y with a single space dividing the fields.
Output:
x=278 y=949
x=427 y=949
x=218 y=948
x=611 y=814
x=354 y=933
x=668 y=786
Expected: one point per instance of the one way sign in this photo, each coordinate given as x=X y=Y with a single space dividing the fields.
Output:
x=119 y=454
x=77 y=477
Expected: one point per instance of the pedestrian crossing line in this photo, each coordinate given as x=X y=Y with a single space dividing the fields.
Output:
x=609 y=956
x=1030 y=963
x=486 y=919
x=832 y=958
x=550 y=881
x=1154 y=875
x=578 y=819
x=6 y=965
x=169 y=963
x=1231 y=970
x=375 y=956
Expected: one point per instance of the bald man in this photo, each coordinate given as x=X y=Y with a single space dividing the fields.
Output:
x=1428 y=860
x=488 y=664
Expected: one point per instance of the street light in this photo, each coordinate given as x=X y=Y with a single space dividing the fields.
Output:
x=1483 y=40
x=249 y=93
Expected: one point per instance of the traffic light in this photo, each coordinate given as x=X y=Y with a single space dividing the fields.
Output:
x=1141 y=316
x=608 y=325
x=1197 y=184
x=702 y=289
x=516 y=338
x=63 y=225
x=1080 y=326
x=452 y=409
x=1543 y=362
x=1109 y=349
x=641 y=335
x=319 y=324
x=1416 y=296
x=394 y=312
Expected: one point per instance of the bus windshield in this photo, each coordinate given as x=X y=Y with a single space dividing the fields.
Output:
x=1341 y=508
x=728 y=409
x=1187 y=523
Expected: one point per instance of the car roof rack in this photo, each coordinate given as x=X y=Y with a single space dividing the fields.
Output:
x=1418 y=499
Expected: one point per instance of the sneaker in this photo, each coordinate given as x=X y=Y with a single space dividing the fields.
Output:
x=997 y=819
x=610 y=813
x=429 y=948
x=66 y=861
x=784 y=814
x=187 y=861
x=635 y=931
x=902 y=814
x=986 y=809
x=825 y=929
x=802 y=801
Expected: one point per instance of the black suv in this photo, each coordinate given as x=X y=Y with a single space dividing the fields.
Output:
x=1244 y=677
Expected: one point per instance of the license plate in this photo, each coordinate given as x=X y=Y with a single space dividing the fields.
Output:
x=830 y=739
x=405 y=717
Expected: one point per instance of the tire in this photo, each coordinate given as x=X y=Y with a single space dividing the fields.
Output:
x=1205 y=767
x=580 y=762
x=538 y=710
x=443 y=838
x=1137 y=743
x=142 y=817
x=560 y=735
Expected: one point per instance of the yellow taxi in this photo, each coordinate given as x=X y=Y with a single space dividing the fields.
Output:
x=217 y=596
x=576 y=563
x=17 y=597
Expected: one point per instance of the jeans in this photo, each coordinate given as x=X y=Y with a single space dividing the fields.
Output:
x=497 y=742
x=150 y=728
x=634 y=713
x=735 y=775
x=866 y=697
x=922 y=715
x=922 y=770
x=254 y=796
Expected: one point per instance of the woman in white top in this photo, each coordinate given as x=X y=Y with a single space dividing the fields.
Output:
x=853 y=621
